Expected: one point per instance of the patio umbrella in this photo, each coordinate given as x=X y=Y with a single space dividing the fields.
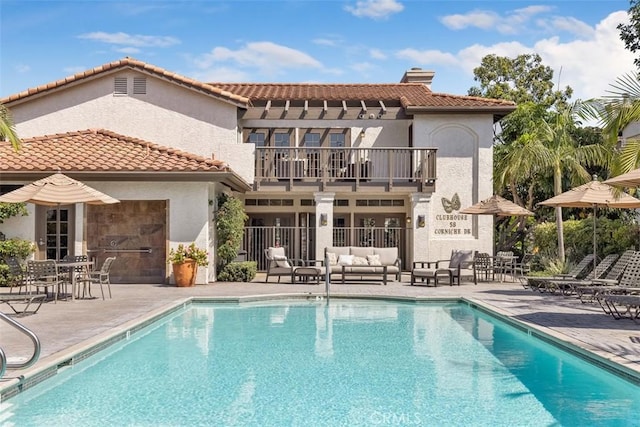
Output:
x=55 y=190
x=496 y=205
x=593 y=194
x=629 y=179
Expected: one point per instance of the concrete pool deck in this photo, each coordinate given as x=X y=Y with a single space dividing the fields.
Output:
x=66 y=326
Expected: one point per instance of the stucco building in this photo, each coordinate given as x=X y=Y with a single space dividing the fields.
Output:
x=315 y=164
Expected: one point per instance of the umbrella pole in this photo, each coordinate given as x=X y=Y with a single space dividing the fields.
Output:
x=595 y=247
x=58 y=232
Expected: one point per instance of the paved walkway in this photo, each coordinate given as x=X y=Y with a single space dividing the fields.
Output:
x=66 y=326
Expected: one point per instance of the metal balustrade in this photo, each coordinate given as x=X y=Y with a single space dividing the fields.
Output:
x=326 y=166
x=299 y=242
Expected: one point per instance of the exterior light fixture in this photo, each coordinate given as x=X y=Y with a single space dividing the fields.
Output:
x=421 y=221
x=362 y=133
x=323 y=219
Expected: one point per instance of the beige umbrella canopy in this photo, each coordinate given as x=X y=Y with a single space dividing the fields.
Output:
x=496 y=205
x=55 y=190
x=629 y=179
x=593 y=194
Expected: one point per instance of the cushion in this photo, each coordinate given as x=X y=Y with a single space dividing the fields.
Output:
x=333 y=258
x=387 y=255
x=460 y=258
x=345 y=260
x=374 y=259
x=358 y=260
x=361 y=252
x=274 y=252
x=338 y=250
x=281 y=261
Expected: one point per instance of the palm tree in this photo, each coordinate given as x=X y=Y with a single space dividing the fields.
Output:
x=614 y=112
x=7 y=130
x=548 y=148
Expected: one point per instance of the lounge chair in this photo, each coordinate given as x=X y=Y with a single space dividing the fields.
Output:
x=567 y=287
x=453 y=268
x=587 y=290
x=622 y=306
x=278 y=264
x=578 y=272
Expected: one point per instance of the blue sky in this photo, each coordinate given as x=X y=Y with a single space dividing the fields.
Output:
x=365 y=41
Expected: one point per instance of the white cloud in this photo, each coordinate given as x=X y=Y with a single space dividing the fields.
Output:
x=265 y=57
x=222 y=74
x=567 y=24
x=589 y=64
x=362 y=67
x=377 y=54
x=22 y=68
x=430 y=57
x=511 y=23
x=375 y=9
x=136 y=40
x=324 y=42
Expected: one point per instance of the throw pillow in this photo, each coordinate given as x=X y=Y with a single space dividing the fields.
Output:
x=374 y=259
x=281 y=261
x=345 y=260
x=359 y=260
x=333 y=258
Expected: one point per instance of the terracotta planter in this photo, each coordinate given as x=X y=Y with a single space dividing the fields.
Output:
x=185 y=273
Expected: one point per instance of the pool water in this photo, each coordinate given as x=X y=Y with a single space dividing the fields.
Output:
x=348 y=363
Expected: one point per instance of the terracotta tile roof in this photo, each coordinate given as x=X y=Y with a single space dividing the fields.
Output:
x=406 y=94
x=136 y=65
x=98 y=150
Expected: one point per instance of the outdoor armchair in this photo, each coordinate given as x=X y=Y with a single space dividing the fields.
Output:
x=278 y=264
x=460 y=262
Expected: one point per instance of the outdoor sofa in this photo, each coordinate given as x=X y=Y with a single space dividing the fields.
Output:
x=358 y=261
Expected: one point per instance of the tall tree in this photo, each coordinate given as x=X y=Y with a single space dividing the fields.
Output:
x=520 y=79
x=549 y=147
x=529 y=83
x=7 y=129
x=630 y=33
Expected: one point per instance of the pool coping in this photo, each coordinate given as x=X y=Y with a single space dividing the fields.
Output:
x=51 y=365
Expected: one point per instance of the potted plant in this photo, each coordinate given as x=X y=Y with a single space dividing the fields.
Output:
x=185 y=261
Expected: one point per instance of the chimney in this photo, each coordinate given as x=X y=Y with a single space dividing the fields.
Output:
x=418 y=75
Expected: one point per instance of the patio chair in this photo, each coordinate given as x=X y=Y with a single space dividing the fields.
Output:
x=278 y=264
x=483 y=267
x=98 y=277
x=17 y=277
x=461 y=261
x=45 y=274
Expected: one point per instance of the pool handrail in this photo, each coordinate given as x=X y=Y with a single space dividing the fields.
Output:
x=34 y=338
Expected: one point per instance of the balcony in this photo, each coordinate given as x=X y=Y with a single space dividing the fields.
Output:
x=344 y=169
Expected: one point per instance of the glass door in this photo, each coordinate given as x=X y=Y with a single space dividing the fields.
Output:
x=55 y=231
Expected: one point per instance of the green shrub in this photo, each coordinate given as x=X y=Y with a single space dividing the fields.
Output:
x=18 y=248
x=238 y=272
x=612 y=237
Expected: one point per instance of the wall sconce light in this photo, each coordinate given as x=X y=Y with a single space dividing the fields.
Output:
x=362 y=133
x=421 y=221
x=408 y=221
x=323 y=219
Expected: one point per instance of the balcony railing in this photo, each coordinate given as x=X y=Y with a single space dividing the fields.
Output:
x=327 y=166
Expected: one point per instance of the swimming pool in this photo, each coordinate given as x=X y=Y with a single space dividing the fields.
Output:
x=351 y=362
